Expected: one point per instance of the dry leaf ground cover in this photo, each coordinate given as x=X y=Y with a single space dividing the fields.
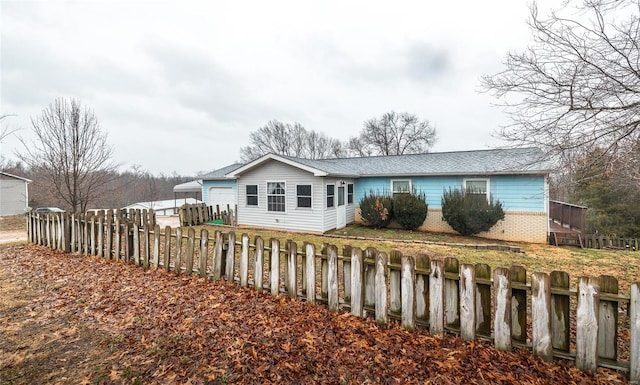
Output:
x=69 y=319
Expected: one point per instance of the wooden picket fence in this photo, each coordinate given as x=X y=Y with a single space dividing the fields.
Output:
x=545 y=315
x=596 y=241
x=199 y=214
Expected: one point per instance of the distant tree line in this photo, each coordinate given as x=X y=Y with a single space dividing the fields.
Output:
x=122 y=188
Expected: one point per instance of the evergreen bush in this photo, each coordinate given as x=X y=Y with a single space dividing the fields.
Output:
x=375 y=210
x=470 y=213
x=410 y=210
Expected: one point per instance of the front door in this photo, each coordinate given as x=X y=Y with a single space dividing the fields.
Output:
x=341 y=212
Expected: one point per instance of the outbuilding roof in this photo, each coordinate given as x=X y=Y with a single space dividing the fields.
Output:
x=509 y=161
x=193 y=186
x=6 y=174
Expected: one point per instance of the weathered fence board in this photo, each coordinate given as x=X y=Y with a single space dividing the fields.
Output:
x=417 y=291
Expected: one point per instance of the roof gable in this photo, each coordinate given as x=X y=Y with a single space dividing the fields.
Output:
x=278 y=158
x=11 y=176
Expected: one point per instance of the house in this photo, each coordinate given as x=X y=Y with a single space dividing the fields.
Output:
x=14 y=194
x=218 y=189
x=290 y=193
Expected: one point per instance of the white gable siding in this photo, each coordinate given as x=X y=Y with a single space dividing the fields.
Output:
x=13 y=196
x=294 y=218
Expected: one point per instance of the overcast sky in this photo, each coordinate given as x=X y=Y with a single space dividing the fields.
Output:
x=179 y=85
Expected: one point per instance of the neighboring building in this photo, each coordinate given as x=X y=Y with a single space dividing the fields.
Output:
x=319 y=195
x=164 y=207
x=14 y=194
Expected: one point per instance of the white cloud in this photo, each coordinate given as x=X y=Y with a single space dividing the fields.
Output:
x=180 y=85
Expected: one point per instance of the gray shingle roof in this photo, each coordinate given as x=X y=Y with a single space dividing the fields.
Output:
x=479 y=162
x=220 y=173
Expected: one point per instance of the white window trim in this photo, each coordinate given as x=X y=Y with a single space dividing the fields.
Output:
x=353 y=194
x=267 y=196
x=311 y=196
x=401 y=180
x=487 y=180
x=326 y=196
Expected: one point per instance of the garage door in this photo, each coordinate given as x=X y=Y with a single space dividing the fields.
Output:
x=222 y=196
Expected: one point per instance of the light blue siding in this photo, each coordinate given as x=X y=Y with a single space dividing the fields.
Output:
x=206 y=184
x=516 y=192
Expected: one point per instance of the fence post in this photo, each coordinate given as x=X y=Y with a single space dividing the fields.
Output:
x=100 y=250
x=436 y=298
x=244 y=260
x=422 y=267
x=357 y=282
x=66 y=234
x=467 y=302
x=560 y=331
x=407 y=292
x=380 y=288
x=347 y=252
x=310 y=251
x=116 y=242
x=324 y=272
x=218 y=257
x=332 y=260
x=395 y=276
x=274 y=273
x=634 y=325
x=483 y=300
x=370 y=277
x=502 y=322
x=191 y=246
x=587 y=324
x=292 y=269
x=136 y=244
x=541 y=316
x=204 y=253
x=608 y=320
x=128 y=242
x=167 y=248
x=156 y=246
x=109 y=238
x=146 y=250
x=452 y=293
x=259 y=264
x=231 y=255
x=178 y=264
x=519 y=305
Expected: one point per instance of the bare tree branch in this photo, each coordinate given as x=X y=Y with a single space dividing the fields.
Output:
x=393 y=134
x=577 y=86
x=292 y=140
x=71 y=151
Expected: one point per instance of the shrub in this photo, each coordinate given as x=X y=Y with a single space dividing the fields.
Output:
x=410 y=210
x=375 y=210
x=469 y=213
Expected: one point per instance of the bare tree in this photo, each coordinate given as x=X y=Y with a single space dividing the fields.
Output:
x=4 y=130
x=577 y=86
x=394 y=134
x=292 y=140
x=70 y=150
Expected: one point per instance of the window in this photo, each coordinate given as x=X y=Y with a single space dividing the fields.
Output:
x=341 y=196
x=330 y=195
x=303 y=192
x=275 y=196
x=401 y=186
x=350 y=193
x=252 y=194
x=477 y=186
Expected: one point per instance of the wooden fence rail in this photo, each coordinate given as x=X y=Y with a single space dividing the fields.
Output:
x=596 y=241
x=545 y=315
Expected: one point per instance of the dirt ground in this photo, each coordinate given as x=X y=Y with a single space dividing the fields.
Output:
x=13 y=230
x=67 y=319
